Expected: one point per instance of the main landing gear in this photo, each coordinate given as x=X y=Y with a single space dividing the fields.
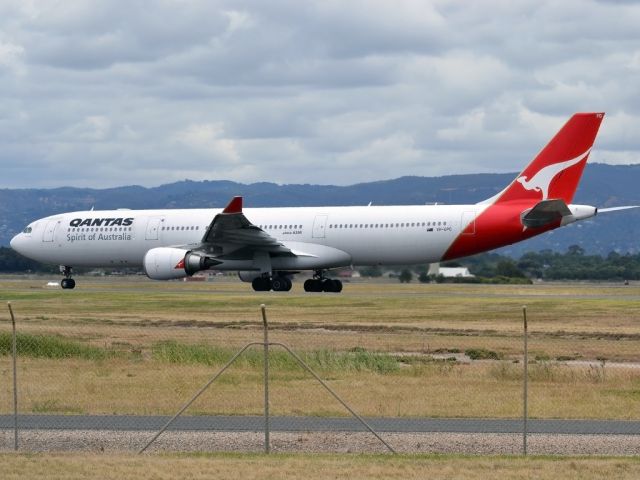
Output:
x=320 y=284
x=67 y=282
x=281 y=283
x=278 y=284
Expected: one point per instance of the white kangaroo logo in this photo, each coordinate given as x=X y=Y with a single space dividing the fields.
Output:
x=540 y=181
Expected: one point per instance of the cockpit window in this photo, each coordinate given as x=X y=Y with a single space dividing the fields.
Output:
x=27 y=230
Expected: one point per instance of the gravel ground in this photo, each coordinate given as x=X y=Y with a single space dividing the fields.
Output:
x=335 y=442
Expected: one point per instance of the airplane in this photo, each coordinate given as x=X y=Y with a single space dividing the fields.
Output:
x=267 y=246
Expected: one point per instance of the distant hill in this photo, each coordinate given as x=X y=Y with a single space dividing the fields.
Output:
x=602 y=185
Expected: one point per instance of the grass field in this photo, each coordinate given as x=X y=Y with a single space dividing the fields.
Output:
x=230 y=466
x=129 y=345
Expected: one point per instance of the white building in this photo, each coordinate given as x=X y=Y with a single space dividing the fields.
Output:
x=449 y=272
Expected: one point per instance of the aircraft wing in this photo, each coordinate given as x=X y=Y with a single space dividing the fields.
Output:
x=232 y=234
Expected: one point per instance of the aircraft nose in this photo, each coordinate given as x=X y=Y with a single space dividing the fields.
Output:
x=15 y=242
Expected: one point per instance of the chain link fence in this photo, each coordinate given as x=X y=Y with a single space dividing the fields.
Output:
x=430 y=369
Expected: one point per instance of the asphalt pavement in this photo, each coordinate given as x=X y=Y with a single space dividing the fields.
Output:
x=318 y=424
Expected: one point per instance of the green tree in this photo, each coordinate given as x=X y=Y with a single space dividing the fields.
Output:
x=10 y=261
x=405 y=276
x=575 y=250
x=374 y=271
x=508 y=268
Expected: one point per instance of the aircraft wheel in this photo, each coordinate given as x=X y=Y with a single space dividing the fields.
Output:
x=329 y=285
x=280 y=284
x=312 y=286
x=68 y=283
x=261 y=284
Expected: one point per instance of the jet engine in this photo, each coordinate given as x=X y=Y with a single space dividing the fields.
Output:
x=248 y=276
x=166 y=263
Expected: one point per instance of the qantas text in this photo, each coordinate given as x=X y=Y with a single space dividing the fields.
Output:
x=101 y=222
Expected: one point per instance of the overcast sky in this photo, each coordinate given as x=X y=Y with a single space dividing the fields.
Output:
x=108 y=93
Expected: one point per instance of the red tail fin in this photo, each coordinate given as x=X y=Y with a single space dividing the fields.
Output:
x=556 y=170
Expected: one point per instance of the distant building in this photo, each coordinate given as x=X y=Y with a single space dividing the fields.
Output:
x=348 y=274
x=449 y=272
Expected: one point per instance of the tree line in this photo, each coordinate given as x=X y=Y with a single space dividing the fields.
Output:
x=574 y=264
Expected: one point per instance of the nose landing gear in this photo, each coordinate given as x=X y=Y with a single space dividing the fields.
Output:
x=67 y=282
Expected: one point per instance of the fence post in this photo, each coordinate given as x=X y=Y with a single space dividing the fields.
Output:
x=525 y=384
x=15 y=378
x=266 y=379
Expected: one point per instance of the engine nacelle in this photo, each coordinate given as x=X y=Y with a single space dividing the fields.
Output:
x=248 y=276
x=166 y=263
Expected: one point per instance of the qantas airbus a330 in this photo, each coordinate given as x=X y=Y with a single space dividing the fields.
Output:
x=268 y=245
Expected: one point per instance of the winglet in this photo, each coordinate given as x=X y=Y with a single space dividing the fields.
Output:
x=235 y=206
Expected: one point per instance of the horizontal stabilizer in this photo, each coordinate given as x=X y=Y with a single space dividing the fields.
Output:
x=615 y=209
x=545 y=213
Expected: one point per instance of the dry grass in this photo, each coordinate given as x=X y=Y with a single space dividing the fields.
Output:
x=579 y=308
x=223 y=466
x=581 y=321
x=130 y=315
x=483 y=389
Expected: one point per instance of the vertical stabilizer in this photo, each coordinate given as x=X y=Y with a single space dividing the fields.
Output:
x=555 y=172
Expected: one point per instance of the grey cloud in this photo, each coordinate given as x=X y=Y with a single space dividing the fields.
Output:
x=106 y=93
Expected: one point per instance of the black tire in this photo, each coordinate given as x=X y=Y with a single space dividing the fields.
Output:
x=279 y=284
x=71 y=283
x=261 y=284
x=64 y=283
x=288 y=284
x=338 y=286
x=308 y=285
x=329 y=285
x=313 y=286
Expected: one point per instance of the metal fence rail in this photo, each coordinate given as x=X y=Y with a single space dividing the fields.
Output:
x=266 y=344
x=531 y=371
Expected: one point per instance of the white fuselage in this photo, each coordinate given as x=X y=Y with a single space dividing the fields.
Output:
x=369 y=235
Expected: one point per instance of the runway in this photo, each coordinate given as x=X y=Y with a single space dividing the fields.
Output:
x=319 y=424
